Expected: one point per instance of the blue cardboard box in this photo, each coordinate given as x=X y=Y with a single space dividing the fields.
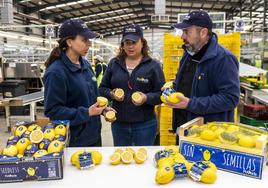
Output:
x=231 y=158
x=48 y=167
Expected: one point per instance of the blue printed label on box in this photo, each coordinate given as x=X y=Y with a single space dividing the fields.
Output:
x=232 y=161
x=36 y=170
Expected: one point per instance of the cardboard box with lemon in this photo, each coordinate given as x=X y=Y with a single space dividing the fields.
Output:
x=34 y=151
x=235 y=148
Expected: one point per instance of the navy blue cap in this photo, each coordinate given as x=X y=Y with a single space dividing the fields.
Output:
x=74 y=27
x=132 y=32
x=198 y=18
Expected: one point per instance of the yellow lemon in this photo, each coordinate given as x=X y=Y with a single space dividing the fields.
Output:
x=115 y=158
x=97 y=157
x=60 y=130
x=173 y=97
x=110 y=116
x=165 y=161
x=40 y=153
x=22 y=145
x=126 y=157
x=232 y=128
x=164 y=175
x=173 y=150
x=227 y=138
x=75 y=157
x=102 y=101
x=20 y=130
x=209 y=176
x=34 y=127
x=49 y=134
x=247 y=141
x=136 y=97
x=188 y=165
x=163 y=99
x=208 y=135
x=30 y=150
x=211 y=165
x=168 y=85
x=219 y=131
x=132 y=151
x=119 y=93
x=119 y=150
x=178 y=157
x=36 y=136
x=10 y=150
x=55 y=146
x=140 y=157
x=213 y=128
x=143 y=150
x=20 y=156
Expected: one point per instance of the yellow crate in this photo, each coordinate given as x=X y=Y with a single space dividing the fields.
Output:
x=167 y=141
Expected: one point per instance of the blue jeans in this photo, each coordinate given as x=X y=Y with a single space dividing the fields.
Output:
x=134 y=134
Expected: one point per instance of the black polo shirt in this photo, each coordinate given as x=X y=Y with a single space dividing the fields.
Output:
x=186 y=81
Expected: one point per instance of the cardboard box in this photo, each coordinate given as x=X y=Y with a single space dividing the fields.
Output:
x=48 y=167
x=232 y=158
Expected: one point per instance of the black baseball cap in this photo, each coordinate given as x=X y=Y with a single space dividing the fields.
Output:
x=198 y=18
x=132 y=32
x=74 y=27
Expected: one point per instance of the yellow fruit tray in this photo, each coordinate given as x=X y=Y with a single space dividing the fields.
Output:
x=30 y=159
x=235 y=148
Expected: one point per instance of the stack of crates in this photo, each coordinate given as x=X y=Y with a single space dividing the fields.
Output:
x=232 y=42
x=173 y=53
x=167 y=137
x=255 y=115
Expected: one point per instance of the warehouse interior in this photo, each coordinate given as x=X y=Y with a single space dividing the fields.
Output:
x=29 y=30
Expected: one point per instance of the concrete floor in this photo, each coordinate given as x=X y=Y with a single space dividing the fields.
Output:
x=106 y=134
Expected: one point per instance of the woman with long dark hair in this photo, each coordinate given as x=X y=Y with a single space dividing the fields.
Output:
x=71 y=87
x=141 y=79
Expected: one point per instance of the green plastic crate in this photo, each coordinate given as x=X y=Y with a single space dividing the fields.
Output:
x=253 y=122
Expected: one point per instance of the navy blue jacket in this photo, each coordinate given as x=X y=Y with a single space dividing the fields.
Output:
x=216 y=87
x=69 y=91
x=147 y=77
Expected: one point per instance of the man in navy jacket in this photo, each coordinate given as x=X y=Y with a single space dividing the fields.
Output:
x=208 y=74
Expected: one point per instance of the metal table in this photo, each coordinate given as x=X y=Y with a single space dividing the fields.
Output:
x=263 y=99
x=24 y=100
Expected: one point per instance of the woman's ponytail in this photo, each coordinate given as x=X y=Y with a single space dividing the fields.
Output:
x=56 y=52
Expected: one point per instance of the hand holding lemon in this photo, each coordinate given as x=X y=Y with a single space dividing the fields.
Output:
x=97 y=108
x=183 y=104
x=110 y=114
x=118 y=94
x=138 y=98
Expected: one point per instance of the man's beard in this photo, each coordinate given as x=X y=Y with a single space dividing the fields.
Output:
x=192 y=48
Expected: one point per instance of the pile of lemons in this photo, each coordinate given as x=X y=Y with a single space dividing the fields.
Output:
x=35 y=141
x=229 y=134
x=93 y=157
x=128 y=155
x=172 y=165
